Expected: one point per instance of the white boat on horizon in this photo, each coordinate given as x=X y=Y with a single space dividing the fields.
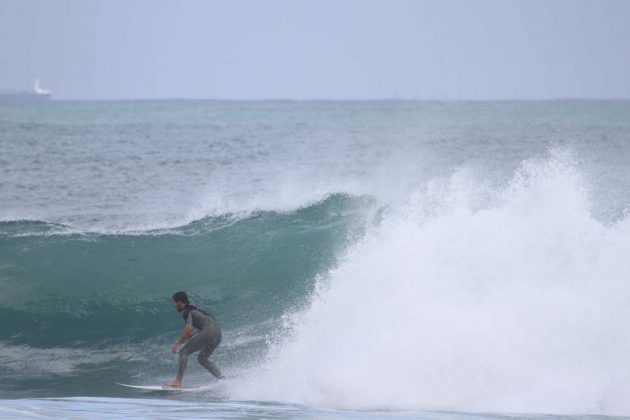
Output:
x=37 y=94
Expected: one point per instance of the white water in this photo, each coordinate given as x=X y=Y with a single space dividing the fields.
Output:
x=469 y=298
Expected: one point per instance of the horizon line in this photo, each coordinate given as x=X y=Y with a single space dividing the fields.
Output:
x=551 y=99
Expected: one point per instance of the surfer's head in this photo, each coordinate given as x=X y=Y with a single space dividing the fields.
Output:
x=180 y=300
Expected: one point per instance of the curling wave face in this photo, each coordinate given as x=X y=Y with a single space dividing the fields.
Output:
x=80 y=303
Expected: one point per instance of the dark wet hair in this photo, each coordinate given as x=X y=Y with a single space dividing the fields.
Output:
x=181 y=297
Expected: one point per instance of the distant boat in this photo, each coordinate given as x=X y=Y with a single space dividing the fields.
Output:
x=36 y=95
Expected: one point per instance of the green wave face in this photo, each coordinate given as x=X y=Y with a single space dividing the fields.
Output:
x=82 y=304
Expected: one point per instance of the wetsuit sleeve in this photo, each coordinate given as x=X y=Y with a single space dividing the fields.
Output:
x=189 y=318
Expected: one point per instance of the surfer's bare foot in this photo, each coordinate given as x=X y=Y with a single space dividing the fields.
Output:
x=175 y=384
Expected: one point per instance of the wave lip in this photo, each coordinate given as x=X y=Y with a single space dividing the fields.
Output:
x=208 y=214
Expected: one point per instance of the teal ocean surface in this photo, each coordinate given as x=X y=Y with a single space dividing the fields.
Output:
x=365 y=259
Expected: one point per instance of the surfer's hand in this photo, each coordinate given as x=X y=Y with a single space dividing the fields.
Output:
x=174 y=348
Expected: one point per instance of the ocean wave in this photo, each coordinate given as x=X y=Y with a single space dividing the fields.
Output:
x=470 y=295
x=468 y=298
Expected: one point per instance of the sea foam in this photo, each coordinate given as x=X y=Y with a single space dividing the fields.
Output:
x=515 y=299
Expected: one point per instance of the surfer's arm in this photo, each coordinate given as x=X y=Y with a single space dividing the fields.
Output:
x=185 y=335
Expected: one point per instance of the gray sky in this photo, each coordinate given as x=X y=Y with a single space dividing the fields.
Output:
x=442 y=49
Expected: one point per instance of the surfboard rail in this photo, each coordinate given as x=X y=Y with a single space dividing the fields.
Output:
x=162 y=388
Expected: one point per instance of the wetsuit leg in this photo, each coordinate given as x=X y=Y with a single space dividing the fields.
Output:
x=211 y=344
x=195 y=343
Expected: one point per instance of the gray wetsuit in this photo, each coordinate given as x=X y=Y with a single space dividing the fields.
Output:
x=206 y=339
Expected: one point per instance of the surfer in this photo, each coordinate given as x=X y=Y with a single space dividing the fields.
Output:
x=206 y=338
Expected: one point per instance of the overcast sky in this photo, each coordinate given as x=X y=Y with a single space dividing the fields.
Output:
x=442 y=49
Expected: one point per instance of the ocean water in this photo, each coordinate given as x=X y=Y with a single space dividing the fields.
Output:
x=365 y=259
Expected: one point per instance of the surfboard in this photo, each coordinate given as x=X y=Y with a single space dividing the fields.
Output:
x=163 y=388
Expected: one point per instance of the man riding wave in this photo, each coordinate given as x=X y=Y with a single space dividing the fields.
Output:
x=205 y=339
